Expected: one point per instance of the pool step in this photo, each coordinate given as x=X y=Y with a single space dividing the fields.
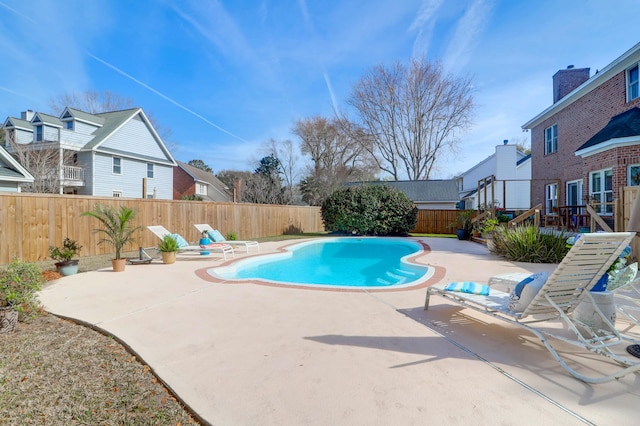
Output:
x=397 y=276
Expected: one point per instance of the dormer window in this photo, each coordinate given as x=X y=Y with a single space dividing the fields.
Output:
x=632 y=83
x=39 y=134
x=68 y=125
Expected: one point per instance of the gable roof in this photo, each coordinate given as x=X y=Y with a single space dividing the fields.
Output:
x=17 y=123
x=622 y=129
x=208 y=178
x=47 y=119
x=83 y=116
x=113 y=121
x=11 y=170
x=444 y=190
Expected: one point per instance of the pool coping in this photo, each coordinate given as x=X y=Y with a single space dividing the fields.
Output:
x=437 y=275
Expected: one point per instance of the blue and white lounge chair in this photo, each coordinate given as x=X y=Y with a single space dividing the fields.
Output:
x=587 y=261
x=216 y=236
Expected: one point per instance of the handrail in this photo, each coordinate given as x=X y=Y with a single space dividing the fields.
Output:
x=480 y=217
x=596 y=217
x=535 y=211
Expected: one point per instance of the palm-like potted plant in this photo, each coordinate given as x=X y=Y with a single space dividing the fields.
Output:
x=116 y=230
x=66 y=264
x=168 y=247
x=464 y=224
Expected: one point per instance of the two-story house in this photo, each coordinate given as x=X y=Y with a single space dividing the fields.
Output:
x=113 y=154
x=586 y=145
x=501 y=180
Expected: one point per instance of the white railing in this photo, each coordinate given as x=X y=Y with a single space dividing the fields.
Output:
x=73 y=173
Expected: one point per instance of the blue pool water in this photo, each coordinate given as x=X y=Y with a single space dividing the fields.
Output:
x=345 y=262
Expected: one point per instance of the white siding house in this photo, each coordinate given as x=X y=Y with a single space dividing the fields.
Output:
x=501 y=180
x=116 y=153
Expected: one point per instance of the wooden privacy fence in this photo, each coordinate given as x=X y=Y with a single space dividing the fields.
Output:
x=30 y=223
x=436 y=221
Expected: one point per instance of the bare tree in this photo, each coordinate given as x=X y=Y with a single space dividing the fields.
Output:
x=412 y=113
x=338 y=153
x=286 y=154
x=44 y=164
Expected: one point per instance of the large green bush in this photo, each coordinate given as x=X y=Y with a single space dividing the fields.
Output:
x=528 y=244
x=369 y=210
x=19 y=286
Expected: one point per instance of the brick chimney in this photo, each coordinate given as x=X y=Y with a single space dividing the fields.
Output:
x=565 y=81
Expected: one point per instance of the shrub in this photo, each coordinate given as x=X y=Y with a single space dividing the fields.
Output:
x=19 y=284
x=70 y=249
x=369 y=210
x=232 y=236
x=528 y=244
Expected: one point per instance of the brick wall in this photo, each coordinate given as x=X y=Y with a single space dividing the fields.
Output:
x=577 y=123
x=183 y=184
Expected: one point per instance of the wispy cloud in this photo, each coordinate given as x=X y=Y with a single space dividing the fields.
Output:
x=424 y=23
x=17 y=13
x=165 y=97
x=467 y=34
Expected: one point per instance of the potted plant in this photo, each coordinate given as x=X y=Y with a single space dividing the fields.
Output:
x=464 y=224
x=116 y=229
x=66 y=265
x=19 y=284
x=168 y=247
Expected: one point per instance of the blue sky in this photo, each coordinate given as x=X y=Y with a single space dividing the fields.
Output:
x=226 y=76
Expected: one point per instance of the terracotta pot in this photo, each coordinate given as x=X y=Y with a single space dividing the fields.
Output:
x=118 y=264
x=168 y=257
x=8 y=319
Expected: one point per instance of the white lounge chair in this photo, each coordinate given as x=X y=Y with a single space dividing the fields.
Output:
x=160 y=232
x=219 y=238
x=565 y=288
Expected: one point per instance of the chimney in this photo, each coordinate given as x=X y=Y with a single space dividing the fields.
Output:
x=565 y=81
x=26 y=115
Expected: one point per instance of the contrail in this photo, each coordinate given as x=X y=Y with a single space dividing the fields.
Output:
x=165 y=97
x=16 y=12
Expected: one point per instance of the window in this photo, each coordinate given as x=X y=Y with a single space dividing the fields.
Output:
x=117 y=165
x=201 y=188
x=632 y=83
x=601 y=190
x=150 y=170
x=634 y=175
x=551 y=197
x=39 y=137
x=69 y=125
x=551 y=139
x=116 y=194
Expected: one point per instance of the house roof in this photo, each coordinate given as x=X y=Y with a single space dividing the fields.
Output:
x=208 y=178
x=18 y=124
x=85 y=116
x=623 y=125
x=627 y=59
x=523 y=159
x=11 y=170
x=47 y=119
x=432 y=191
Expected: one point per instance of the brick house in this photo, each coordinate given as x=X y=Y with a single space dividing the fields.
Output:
x=189 y=180
x=586 y=145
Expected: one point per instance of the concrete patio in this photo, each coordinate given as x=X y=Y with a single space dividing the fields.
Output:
x=247 y=354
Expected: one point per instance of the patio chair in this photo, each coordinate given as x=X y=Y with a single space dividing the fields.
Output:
x=216 y=236
x=564 y=289
x=160 y=232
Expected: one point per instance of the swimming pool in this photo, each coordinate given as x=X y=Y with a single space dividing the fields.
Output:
x=335 y=262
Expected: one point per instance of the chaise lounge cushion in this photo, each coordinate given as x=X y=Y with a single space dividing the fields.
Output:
x=216 y=236
x=524 y=292
x=468 y=287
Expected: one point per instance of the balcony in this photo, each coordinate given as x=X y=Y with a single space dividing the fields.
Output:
x=72 y=176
